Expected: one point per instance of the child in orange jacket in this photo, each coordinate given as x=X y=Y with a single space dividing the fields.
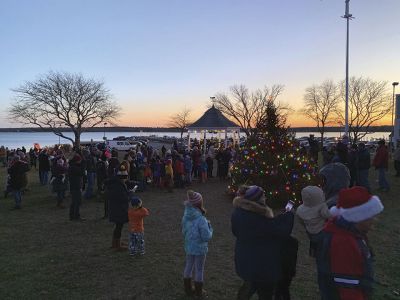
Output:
x=136 y=215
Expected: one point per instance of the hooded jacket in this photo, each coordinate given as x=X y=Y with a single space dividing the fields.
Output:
x=337 y=177
x=259 y=242
x=196 y=230
x=344 y=263
x=314 y=212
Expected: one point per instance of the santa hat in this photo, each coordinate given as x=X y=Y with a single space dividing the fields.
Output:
x=356 y=204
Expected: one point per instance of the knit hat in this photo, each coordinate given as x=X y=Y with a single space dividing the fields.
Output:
x=356 y=204
x=136 y=202
x=312 y=196
x=255 y=193
x=194 y=198
x=122 y=171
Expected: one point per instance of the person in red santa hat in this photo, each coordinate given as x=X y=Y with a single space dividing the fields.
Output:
x=345 y=259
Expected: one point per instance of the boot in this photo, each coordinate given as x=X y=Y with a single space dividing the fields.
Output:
x=114 y=244
x=187 y=284
x=119 y=246
x=199 y=293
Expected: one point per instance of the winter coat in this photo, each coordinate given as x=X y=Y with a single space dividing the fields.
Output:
x=101 y=169
x=17 y=172
x=344 y=263
x=313 y=212
x=179 y=167
x=113 y=165
x=44 y=162
x=336 y=176
x=196 y=230
x=136 y=216
x=259 y=243
x=381 y=159
x=117 y=196
x=76 y=171
x=91 y=163
x=188 y=164
x=364 y=159
x=396 y=154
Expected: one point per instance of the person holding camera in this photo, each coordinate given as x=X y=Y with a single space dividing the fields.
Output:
x=261 y=246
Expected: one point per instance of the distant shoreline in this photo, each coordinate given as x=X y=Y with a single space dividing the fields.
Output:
x=385 y=128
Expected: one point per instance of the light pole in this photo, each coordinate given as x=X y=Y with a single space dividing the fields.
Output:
x=104 y=136
x=59 y=137
x=394 y=92
x=348 y=17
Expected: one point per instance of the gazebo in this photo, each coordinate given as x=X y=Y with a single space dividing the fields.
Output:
x=214 y=120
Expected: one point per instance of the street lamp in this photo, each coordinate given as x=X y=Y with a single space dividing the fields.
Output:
x=348 y=16
x=394 y=89
x=104 y=136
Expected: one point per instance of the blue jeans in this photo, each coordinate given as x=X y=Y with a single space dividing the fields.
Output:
x=383 y=183
x=91 y=176
x=363 y=178
x=44 y=177
x=18 y=198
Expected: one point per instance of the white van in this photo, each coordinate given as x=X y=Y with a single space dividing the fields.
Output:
x=120 y=145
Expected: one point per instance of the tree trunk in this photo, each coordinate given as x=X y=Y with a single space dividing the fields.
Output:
x=322 y=140
x=77 y=143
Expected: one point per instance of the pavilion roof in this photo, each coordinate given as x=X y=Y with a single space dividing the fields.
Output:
x=213 y=119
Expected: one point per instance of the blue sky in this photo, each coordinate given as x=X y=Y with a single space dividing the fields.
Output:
x=157 y=57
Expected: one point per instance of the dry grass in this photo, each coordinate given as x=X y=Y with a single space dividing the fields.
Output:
x=44 y=255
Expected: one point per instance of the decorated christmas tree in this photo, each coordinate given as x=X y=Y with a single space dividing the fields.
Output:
x=272 y=159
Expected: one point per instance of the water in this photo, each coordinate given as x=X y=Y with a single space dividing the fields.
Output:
x=15 y=140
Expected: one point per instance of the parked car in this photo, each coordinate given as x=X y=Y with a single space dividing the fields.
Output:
x=120 y=145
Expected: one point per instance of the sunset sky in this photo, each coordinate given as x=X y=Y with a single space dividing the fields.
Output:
x=157 y=57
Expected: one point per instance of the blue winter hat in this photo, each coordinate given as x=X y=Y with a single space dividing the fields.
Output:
x=135 y=201
x=255 y=193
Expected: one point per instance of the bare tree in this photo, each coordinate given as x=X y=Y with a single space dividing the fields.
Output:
x=63 y=99
x=180 y=120
x=247 y=108
x=369 y=102
x=321 y=104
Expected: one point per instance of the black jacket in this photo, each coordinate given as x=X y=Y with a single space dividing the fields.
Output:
x=75 y=174
x=364 y=160
x=259 y=244
x=44 y=162
x=117 y=196
x=18 y=178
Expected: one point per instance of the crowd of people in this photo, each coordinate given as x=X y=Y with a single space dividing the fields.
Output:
x=337 y=215
x=357 y=158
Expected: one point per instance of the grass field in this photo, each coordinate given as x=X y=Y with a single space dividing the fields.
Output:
x=43 y=255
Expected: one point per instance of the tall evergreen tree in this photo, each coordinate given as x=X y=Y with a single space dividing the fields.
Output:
x=272 y=159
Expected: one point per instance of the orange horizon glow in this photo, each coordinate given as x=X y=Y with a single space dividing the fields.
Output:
x=161 y=119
